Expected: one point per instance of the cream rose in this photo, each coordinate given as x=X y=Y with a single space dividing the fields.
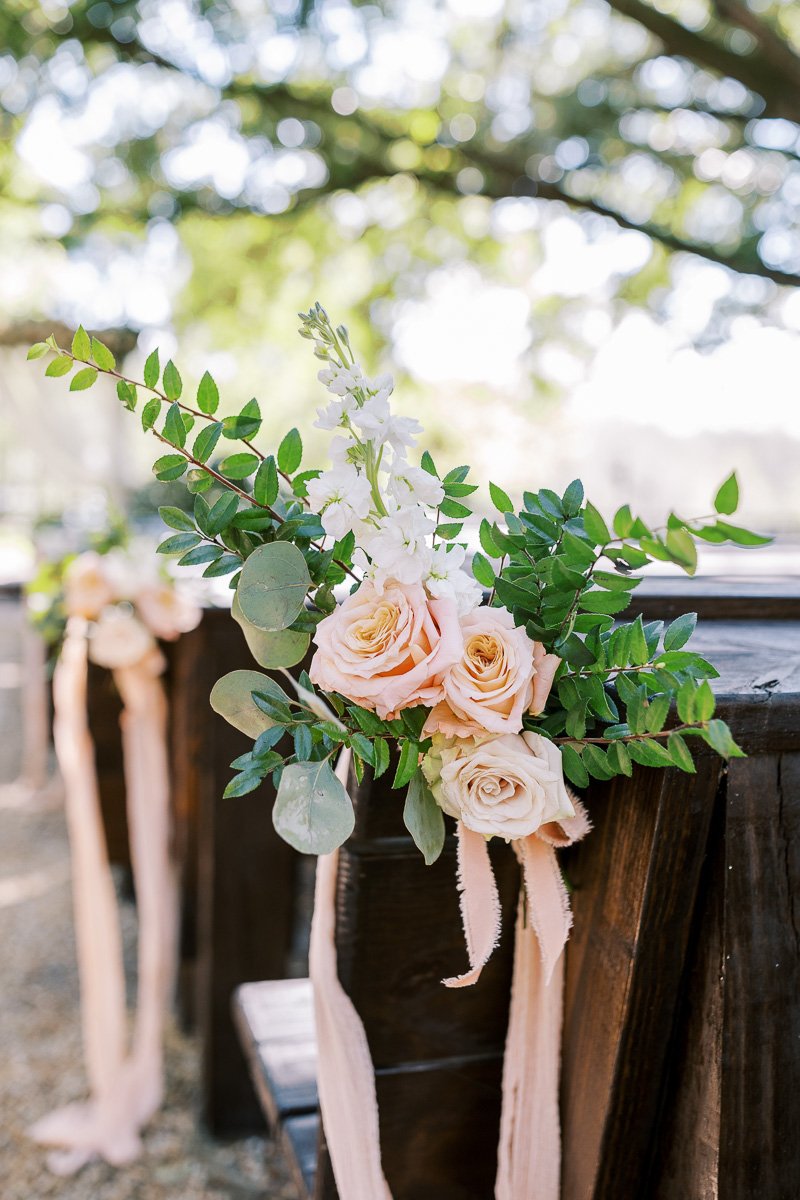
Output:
x=88 y=587
x=387 y=651
x=118 y=639
x=166 y=611
x=508 y=786
x=490 y=688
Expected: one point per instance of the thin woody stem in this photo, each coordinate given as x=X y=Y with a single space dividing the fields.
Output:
x=628 y=737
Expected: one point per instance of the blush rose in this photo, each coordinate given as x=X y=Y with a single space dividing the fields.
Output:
x=387 y=651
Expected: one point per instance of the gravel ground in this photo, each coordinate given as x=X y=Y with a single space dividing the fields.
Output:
x=41 y=1063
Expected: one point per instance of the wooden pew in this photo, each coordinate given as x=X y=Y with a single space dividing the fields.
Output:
x=682 y=1028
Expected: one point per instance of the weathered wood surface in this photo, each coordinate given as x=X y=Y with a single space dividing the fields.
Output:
x=681 y=1077
x=719 y=597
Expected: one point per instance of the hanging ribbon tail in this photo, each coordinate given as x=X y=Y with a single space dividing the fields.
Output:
x=345 y=1074
x=146 y=756
x=480 y=904
x=548 y=908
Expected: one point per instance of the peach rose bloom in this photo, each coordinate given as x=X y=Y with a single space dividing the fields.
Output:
x=87 y=586
x=388 y=651
x=490 y=688
x=119 y=639
x=166 y=611
x=509 y=786
x=544 y=670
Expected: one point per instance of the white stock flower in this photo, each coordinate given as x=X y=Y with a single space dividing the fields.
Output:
x=341 y=380
x=399 y=547
x=377 y=424
x=448 y=578
x=343 y=499
x=413 y=485
x=335 y=416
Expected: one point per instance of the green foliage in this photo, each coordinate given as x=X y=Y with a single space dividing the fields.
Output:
x=312 y=812
x=290 y=452
x=232 y=698
x=424 y=819
x=285 y=648
x=273 y=586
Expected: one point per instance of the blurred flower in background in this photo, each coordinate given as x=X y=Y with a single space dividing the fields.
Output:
x=579 y=216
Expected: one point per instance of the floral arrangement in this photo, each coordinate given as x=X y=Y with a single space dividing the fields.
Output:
x=481 y=681
x=126 y=601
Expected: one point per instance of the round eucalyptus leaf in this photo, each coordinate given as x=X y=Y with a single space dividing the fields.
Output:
x=312 y=810
x=273 y=585
x=231 y=697
x=285 y=648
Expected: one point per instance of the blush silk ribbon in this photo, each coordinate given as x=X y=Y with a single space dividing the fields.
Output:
x=126 y=1084
x=529 y=1151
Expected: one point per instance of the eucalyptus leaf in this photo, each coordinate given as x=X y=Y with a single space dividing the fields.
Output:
x=232 y=698
x=285 y=648
x=272 y=589
x=312 y=810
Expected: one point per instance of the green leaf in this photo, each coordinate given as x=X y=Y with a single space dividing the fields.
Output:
x=573 y=766
x=649 y=753
x=487 y=541
x=483 y=570
x=232 y=698
x=424 y=819
x=595 y=526
x=596 y=763
x=169 y=467
x=312 y=810
x=678 y=633
x=381 y=752
x=718 y=736
x=452 y=508
x=290 y=452
x=59 y=366
x=240 y=785
x=206 y=441
x=604 y=602
x=245 y=424
x=127 y=394
x=623 y=521
x=152 y=370
x=619 y=759
x=266 y=484
x=174 y=428
x=222 y=566
x=37 y=350
x=222 y=513
x=638 y=652
x=656 y=713
x=151 y=413
x=238 y=466
x=81 y=344
x=82 y=380
x=101 y=355
x=427 y=464
x=362 y=746
x=682 y=548
x=703 y=702
x=680 y=754
x=179 y=543
x=573 y=498
x=173 y=384
x=206 y=553
x=500 y=499
x=685 y=701
x=272 y=589
x=176 y=518
x=726 y=500
x=449 y=531
x=407 y=766
x=285 y=648
x=207 y=395
x=742 y=537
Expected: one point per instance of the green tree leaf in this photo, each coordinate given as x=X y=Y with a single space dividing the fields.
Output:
x=573 y=498
x=312 y=810
x=151 y=413
x=290 y=452
x=82 y=380
x=726 y=500
x=483 y=570
x=595 y=526
x=207 y=395
x=127 y=394
x=101 y=355
x=222 y=513
x=238 y=466
x=678 y=633
x=81 y=344
x=152 y=370
x=424 y=819
x=206 y=441
x=174 y=428
x=266 y=484
x=59 y=366
x=680 y=754
x=245 y=424
x=169 y=467
x=37 y=350
x=176 y=518
x=285 y=648
x=407 y=766
x=500 y=499
x=179 y=543
x=173 y=384
x=574 y=769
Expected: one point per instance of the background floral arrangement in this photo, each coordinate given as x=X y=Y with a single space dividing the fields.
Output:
x=479 y=709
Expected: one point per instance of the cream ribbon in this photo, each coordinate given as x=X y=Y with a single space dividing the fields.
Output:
x=529 y=1151
x=126 y=1086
